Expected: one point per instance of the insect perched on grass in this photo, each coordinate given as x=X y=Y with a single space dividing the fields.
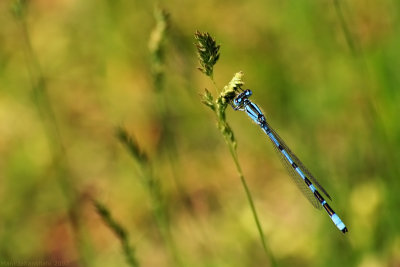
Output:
x=300 y=175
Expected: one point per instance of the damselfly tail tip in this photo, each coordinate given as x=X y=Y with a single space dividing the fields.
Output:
x=344 y=230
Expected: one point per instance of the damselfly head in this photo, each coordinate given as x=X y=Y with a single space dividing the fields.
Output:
x=241 y=98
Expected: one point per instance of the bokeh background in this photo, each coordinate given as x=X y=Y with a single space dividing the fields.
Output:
x=326 y=74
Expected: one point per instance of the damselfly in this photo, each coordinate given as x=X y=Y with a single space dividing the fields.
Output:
x=301 y=176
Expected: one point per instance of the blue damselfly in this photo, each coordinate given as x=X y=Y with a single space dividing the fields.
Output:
x=300 y=174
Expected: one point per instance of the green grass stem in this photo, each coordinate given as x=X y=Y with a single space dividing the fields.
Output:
x=233 y=152
x=157 y=47
x=346 y=30
x=208 y=54
x=153 y=187
x=119 y=231
x=46 y=112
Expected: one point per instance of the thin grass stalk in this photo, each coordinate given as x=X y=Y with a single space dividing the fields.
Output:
x=374 y=117
x=156 y=46
x=46 y=112
x=153 y=187
x=119 y=231
x=233 y=152
x=208 y=54
x=346 y=30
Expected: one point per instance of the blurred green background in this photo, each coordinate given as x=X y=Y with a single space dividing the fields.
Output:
x=324 y=72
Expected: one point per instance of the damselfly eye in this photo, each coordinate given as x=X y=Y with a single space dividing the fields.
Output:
x=238 y=100
x=247 y=92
